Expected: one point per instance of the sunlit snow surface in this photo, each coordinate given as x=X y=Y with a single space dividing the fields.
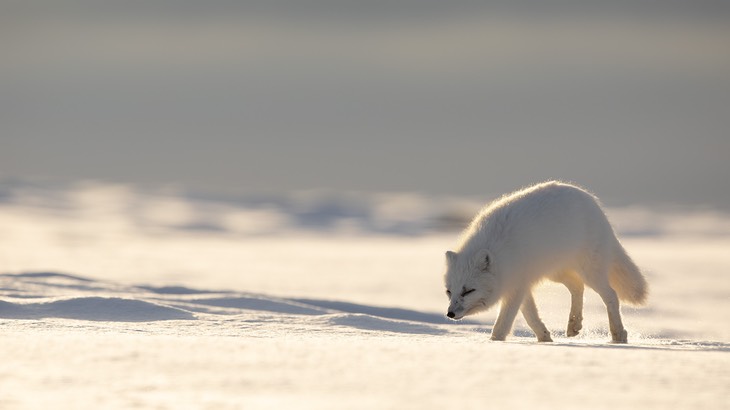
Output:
x=116 y=298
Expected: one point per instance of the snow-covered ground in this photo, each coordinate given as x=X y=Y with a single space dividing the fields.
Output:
x=112 y=297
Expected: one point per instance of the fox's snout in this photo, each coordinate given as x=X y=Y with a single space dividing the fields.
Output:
x=450 y=314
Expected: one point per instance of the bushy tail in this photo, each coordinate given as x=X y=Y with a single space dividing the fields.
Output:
x=626 y=278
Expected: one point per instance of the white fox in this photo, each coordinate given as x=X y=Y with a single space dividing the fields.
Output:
x=551 y=230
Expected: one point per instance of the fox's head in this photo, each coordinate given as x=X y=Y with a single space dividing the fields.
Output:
x=471 y=283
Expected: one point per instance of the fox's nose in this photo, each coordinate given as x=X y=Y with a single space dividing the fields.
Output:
x=451 y=314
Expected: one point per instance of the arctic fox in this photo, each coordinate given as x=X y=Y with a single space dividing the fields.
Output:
x=551 y=230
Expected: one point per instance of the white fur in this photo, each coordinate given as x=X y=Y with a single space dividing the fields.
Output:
x=551 y=230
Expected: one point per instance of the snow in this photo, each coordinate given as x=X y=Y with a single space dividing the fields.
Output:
x=113 y=297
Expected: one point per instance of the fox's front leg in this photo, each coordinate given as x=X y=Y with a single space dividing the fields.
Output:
x=529 y=311
x=507 y=313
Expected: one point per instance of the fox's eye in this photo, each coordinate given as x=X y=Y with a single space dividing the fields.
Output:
x=466 y=292
x=448 y=293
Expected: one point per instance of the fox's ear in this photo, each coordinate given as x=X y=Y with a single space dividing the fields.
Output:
x=484 y=260
x=450 y=257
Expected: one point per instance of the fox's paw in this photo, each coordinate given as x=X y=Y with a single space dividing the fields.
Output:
x=619 y=337
x=498 y=338
x=544 y=337
x=575 y=324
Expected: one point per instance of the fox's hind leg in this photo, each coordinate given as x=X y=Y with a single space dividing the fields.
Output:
x=598 y=281
x=574 y=283
x=529 y=311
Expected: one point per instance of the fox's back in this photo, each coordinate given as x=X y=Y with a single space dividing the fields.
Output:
x=552 y=220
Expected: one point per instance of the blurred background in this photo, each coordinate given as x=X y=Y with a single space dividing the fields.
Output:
x=462 y=98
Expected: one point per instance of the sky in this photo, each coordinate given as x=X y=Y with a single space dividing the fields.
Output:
x=630 y=99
